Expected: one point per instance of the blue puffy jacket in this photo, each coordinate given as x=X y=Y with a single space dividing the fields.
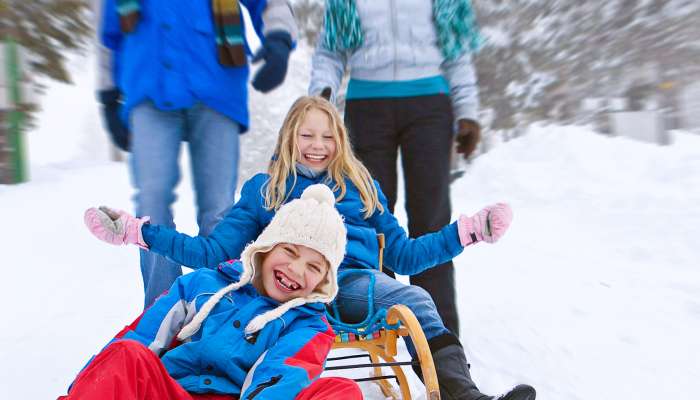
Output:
x=171 y=58
x=248 y=217
x=284 y=358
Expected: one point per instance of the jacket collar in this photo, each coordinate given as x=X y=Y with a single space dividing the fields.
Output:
x=310 y=173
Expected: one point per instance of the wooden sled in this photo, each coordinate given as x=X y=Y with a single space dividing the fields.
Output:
x=380 y=348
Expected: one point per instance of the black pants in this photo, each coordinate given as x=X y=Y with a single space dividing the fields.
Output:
x=422 y=128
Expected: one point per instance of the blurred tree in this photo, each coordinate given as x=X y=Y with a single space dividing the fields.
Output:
x=47 y=29
x=544 y=56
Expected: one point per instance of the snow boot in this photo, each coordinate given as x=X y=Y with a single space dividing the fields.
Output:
x=454 y=378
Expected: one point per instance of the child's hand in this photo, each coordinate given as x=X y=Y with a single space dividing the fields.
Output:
x=488 y=224
x=115 y=226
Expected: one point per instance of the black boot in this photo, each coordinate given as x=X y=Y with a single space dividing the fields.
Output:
x=520 y=392
x=453 y=373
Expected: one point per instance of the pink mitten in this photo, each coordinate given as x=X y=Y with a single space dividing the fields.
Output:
x=115 y=226
x=488 y=224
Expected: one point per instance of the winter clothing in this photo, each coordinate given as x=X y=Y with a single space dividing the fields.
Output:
x=400 y=43
x=352 y=302
x=171 y=58
x=115 y=226
x=118 y=132
x=488 y=224
x=404 y=58
x=248 y=217
x=374 y=125
x=127 y=370
x=275 y=51
x=310 y=221
x=213 y=143
x=468 y=136
x=277 y=362
x=178 y=88
x=519 y=392
x=454 y=22
x=360 y=89
x=407 y=256
x=226 y=18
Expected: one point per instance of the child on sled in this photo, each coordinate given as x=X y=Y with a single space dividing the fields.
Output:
x=249 y=329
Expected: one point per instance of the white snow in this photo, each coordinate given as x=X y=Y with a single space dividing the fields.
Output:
x=594 y=293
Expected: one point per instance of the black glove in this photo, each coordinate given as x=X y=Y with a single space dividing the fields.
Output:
x=275 y=52
x=111 y=105
x=326 y=93
x=468 y=136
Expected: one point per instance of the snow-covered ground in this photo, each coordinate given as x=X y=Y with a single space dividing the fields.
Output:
x=593 y=294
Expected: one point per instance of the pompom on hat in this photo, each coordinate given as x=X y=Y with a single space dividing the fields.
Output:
x=310 y=221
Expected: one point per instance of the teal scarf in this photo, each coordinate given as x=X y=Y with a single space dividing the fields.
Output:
x=454 y=19
x=227 y=21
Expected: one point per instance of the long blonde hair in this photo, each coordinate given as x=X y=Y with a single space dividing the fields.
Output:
x=343 y=165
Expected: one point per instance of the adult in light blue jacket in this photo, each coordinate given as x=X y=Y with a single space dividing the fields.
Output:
x=183 y=74
x=411 y=78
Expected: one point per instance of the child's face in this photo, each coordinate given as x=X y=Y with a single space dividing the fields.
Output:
x=315 y=140
x=289 y=271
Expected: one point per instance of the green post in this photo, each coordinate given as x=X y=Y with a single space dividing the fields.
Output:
x=15 y=116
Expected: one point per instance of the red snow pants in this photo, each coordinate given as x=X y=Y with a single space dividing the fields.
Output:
x=128 y=370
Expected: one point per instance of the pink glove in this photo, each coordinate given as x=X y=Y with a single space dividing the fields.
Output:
x=488 y=224
x=115 y=226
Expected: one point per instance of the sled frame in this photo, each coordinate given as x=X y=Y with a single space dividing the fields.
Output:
x=381 y=351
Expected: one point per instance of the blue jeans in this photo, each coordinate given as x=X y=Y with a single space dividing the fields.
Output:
x=352 y=302
x=214 y=152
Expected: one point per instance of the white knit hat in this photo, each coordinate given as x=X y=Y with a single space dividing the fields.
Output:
x=310 y=221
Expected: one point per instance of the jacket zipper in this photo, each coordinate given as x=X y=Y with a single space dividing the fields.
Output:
x=392 y=3
x=263 y=386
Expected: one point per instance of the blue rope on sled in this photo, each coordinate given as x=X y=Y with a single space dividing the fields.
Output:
x=375 y=320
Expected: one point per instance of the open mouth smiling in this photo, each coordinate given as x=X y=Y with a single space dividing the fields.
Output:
x=285 y=283
x=315 y=157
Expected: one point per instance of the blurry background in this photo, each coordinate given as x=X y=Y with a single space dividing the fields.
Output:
x=592 y=112
x=559 y=61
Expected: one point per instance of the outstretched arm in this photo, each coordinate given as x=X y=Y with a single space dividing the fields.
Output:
x=410 y=256
x=240 y=226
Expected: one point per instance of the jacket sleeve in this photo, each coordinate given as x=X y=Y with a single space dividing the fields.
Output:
x=327 y=69
x=240 y=226
x=110 y=33
x=158 y=325
x=464 y=92
x=106 y=73
x=271 y=15
x=407 y=256
x=295 y=361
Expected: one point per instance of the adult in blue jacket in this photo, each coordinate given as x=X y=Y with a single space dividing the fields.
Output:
x=183 y=76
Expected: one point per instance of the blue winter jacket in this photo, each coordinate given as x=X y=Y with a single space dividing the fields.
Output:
x=248 y=217
x=284 y=358
x=171 y=57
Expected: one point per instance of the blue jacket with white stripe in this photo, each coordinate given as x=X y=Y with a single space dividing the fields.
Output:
x=277 y=363
x=248 y=217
